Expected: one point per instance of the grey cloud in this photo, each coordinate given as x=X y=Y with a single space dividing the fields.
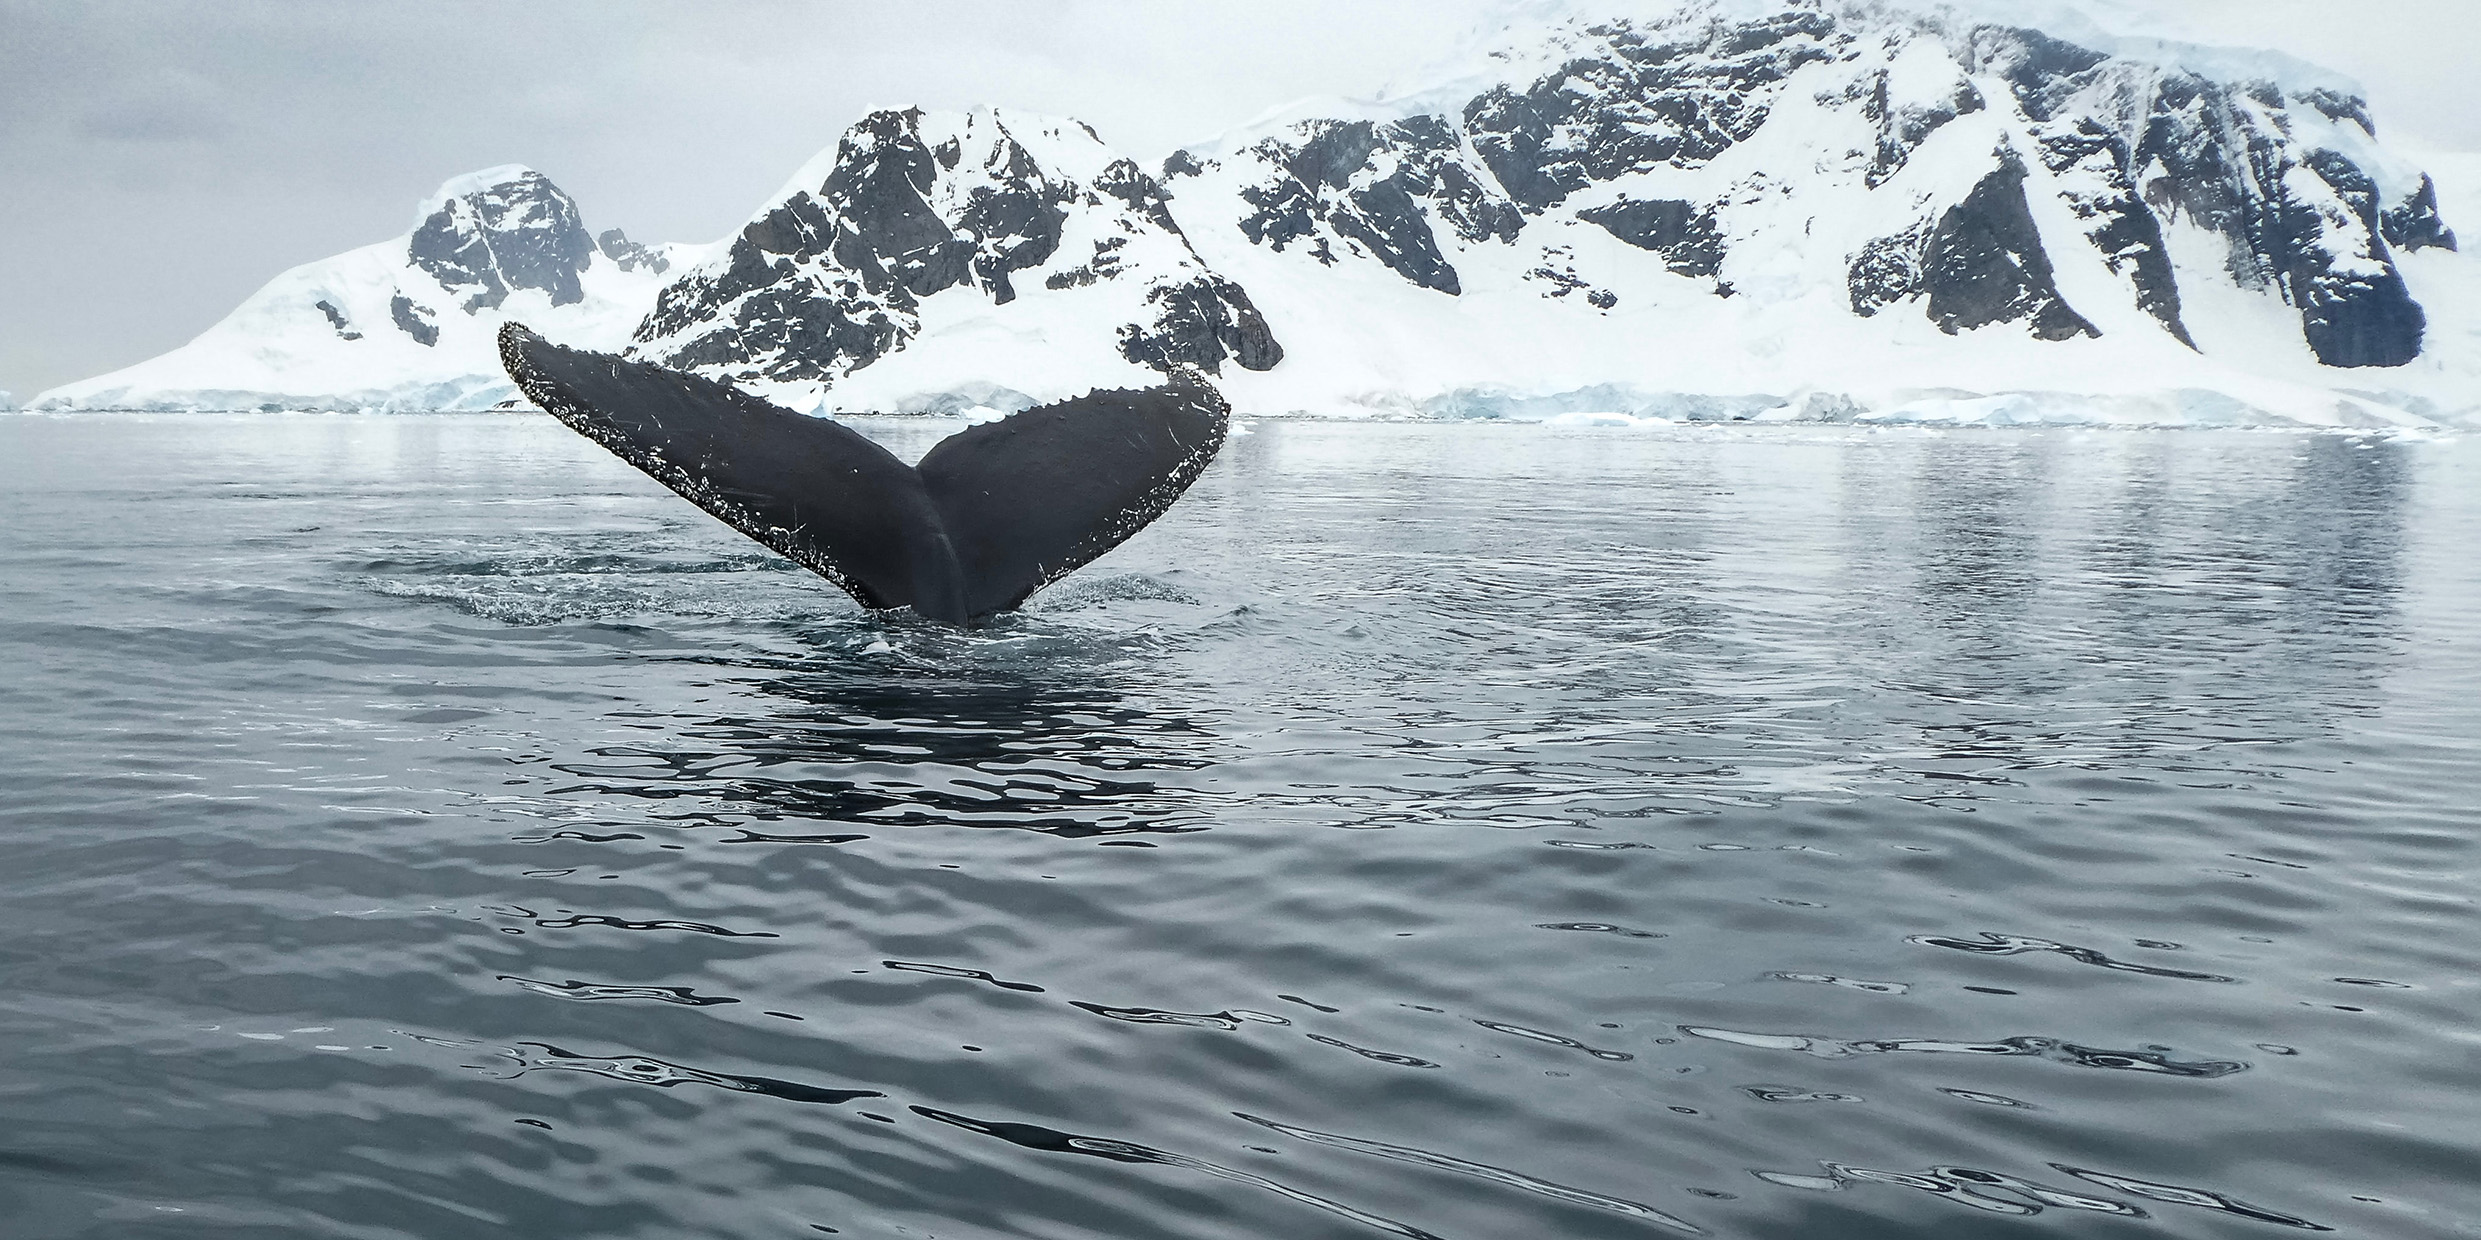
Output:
x=171 y=108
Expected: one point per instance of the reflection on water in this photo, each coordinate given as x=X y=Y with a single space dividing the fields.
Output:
x=1423 y=831
x=843 y=751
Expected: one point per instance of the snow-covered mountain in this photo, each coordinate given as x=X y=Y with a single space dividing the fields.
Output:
x=409 y=323
x=1827 y=208
x=940 y=260
x=1679 y=208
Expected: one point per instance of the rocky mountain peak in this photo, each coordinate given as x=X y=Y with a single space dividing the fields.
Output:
x=834 y=275
x=409 y=323
x=2001 y=175
x=1699 y=208
x=486 y=233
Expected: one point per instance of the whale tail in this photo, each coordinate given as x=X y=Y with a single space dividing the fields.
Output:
x=992 y=514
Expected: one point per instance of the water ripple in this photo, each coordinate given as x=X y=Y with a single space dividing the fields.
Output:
x=2158 y=1060
x=1387 y=1057
x=1228 y=1021
x=1537 y=1035
x=1482 y=1171
x=944 y=970
x=1037 y=1137
x=643 y=1070
x=2181 y=1195
x=1972 y=1187
x=589 y=991
x=343 y=751
x=1990 y=944
x=1601 y=927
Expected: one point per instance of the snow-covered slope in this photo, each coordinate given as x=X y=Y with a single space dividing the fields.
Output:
x=1849 y=209
x=1842 y=209
x=949 y=260
x=409 y=323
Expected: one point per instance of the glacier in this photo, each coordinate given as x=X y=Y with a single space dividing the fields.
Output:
x=1614 y=211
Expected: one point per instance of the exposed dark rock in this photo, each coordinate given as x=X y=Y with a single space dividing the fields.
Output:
x=1430 y=167
x=1981 y=263
x=1558 y=270
x=1286 y=212
x=2413 y=224
x=1902 y=129
x=2041 y=70
x=784 y=333
x=760 y=314
x=2203 y=178
x=629 y=255
x=1684 y=233
x=884 y=231
x=1511 y=131
x=1104 y=265
x=336 y=319
x=2306 y=224
x=868 y=220
x=2358 y=192
x=1333 y=153
x=2354 y=307
x=1470 y=207
x=460 y=259
x=1201 y=323
x=1387 y=221
x=522 y=233
x=1380 y=187
x=830 y=281
x=2340 y=107
x=1985 y=264
x=1642 y=105
x=1011 y=229
x=1140 y=193
x=413 y=320
x=2353 y=323
x=1766 y=34
x=1886 y=271
x=2117 y=222
x=1562 y=281
x=2223 y=171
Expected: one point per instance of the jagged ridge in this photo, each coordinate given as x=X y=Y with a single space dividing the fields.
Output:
x=1813 y=208
x=833 y=277
x=1630 y=106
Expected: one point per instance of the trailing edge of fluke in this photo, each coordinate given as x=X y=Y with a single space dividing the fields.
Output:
x=992 y=514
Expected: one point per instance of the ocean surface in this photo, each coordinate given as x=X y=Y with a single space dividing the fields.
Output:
x=429 y=827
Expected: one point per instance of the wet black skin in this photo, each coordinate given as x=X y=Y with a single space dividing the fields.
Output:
x=992 y=514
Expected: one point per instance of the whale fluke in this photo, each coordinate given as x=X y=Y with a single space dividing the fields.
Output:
x=992 y=514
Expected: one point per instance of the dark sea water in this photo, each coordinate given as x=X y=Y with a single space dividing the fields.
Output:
x=427 y=827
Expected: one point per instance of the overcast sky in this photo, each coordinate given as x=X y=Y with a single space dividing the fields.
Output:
x=159 y=160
